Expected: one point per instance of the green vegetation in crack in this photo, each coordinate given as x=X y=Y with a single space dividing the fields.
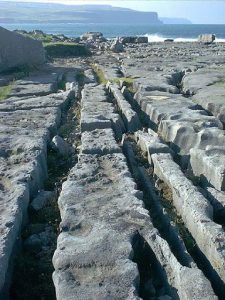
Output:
x=166 y=199
x=100 y=76
x=5 y=91
x=62 y=83
x=32 y=277
x=127 y=81
x=80 y=77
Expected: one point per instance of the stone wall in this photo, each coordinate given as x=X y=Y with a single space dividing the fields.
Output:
x=16 y=50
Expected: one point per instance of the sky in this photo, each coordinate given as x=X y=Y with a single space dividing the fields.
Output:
x=198 y=12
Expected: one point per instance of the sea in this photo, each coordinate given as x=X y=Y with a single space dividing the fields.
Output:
x=155 y=33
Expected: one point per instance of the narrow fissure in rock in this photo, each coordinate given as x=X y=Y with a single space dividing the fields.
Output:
x=32 y=276
x=152 y=283
x=165 y=202
x=156 y=203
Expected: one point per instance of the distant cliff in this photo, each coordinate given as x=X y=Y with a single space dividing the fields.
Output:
x=175 y=21
x=21 y=12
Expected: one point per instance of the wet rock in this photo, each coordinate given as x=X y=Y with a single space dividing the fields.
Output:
x=41 y=200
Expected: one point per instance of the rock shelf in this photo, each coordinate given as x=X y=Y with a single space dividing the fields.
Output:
x=27 y=125
x=102 y=213
x=142 y=201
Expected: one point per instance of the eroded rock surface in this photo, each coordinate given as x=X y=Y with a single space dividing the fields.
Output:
x=142 y=207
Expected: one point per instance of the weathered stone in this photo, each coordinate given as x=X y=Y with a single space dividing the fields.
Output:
x=129 y=116
x=97 y=112
x=150 y=143
x=92 y=36
x=217 y=200
x=168 y=40
x=117 y=46
x=133 y=39
x=41 y=200
x=209 y=165
x=142 y=39
x=100 y=232
x=195 y=210
x=99 y=141
x=60 y=145
x=17 y=50
x=207 y=38
x=25 y=129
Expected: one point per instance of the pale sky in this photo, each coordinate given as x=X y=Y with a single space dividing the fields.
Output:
x=199 y=12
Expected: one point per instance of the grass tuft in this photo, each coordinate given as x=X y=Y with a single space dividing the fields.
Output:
x=65 y=50
x=5 y=91
x=100 y=76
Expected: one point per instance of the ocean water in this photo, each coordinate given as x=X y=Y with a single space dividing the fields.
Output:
x=155 y=33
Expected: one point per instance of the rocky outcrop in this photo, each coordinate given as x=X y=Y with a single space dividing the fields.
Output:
x=206 y=38
x=117 y=46
x=95 y=36
x=17 y=50
x=142 y=211
x=105 y=226
x=26 y=125
x=134 y=39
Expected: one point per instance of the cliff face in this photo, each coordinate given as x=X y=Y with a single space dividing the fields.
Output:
x=41 y=12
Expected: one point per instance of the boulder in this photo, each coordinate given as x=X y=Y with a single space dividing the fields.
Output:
x=117 y=46
x=206 y=38
x=133 y=39
x=17 y=50
x=168 y=40
x=60 y=145
x=92 y=36
x=41 y=200
x=128 y=39
x=141 y=39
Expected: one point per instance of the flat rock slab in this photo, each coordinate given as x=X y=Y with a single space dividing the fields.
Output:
x=101 y=213
x=150 y=143
x=25 y=128
x=53 y=100
x=130 y=117
x=98 y=221
x=195 y=210
x=202 y=78
x=209 y=165
x=99 y=141
x=211 y=98
x=38 y=83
